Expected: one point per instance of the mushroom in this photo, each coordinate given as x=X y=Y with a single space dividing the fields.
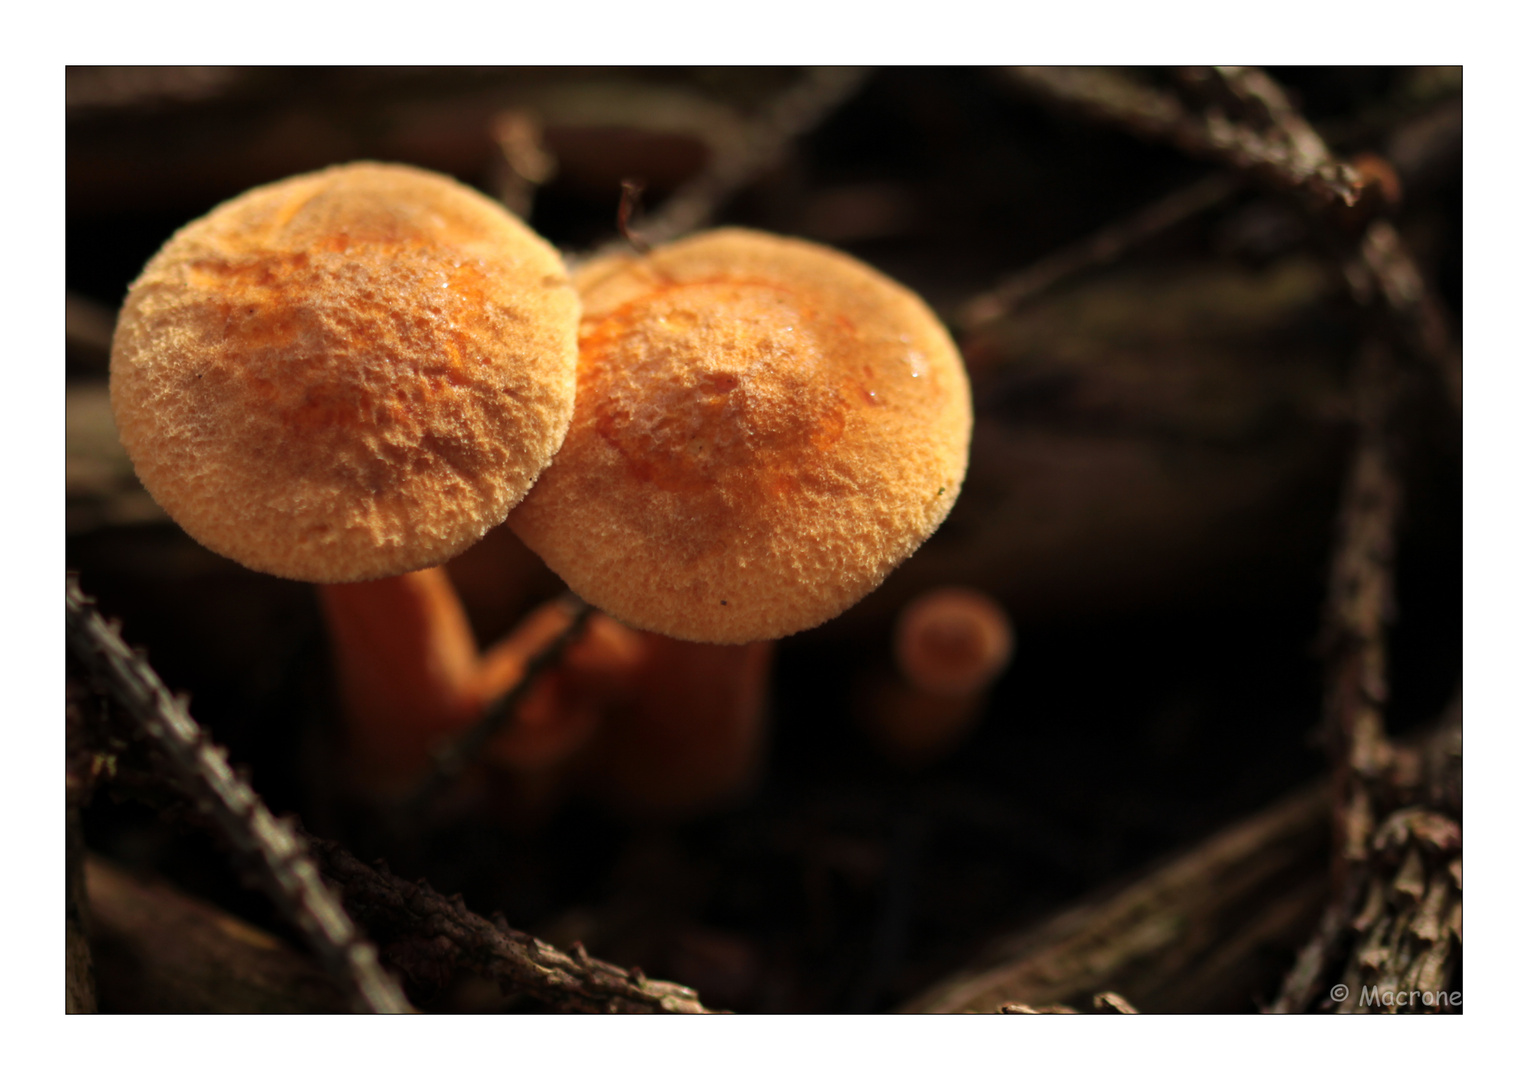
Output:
x=346 y=375
x=343 y=377
x=950 y=645
x=764 y=428
x=688 y=736
x=651 y=726
x=410 y=674
x=648 y=725
x=406 y=665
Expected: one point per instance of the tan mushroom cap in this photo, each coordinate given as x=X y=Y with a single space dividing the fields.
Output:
x=346 y=375
x=764 y=429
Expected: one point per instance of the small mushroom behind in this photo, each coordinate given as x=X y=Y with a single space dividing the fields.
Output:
x=950 y=646
x=764 y=428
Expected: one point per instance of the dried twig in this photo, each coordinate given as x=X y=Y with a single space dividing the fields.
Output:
x=1270 y=141
x=1247 y=122
x=1398 y=878
x=1411 y=925
x=79 y=973
x=1359 y=607
x=1102 y=247
x=1189 y=936
x=1422 y=143
x=523 y=163
x=1384 y=271
x=1281 y=150
x=1107 y=1003
x=631 y=199
x=1260 y=110
x=451 y=760
x=1111 y=1003
x=201 y=770
x=789 y=116
x=1411 y=311
x=437 y=933
x=1399 y=919
x=1315 y=956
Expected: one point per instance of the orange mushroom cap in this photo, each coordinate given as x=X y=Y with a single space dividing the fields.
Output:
x=346 y=375
x=952 y=642
x=764 y=429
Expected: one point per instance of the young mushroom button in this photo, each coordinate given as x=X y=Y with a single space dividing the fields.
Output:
x=951 y=644
x=764 y=428
x=346 y=375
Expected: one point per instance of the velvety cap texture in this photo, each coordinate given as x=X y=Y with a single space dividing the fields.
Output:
x=346 y=375
x=764 y=429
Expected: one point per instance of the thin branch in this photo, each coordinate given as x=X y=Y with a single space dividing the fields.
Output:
x=1258 y=104
x=79 y=968
x=1279 y=155
x=1385 y=271
x=1410 y=928
x=1187 y=935
x=1360 y=603
x=1247 y=122
x=1315 y=956
x=443 y=933
x=1411 y=310
x=1107 y=1003
x=1268 y=140
x=631 y=199
x=523 y=163
x=201 y=770
x=792 y=114
x=451 y=760
x=1428 y=138
x=1101 y=248
x=1398 y=921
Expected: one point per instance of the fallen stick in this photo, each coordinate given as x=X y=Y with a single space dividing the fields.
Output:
x=1194 y=935
x=158 y=950
x=200 y=770
x=433 y=933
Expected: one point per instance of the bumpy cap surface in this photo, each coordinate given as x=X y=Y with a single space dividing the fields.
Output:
x=764 y=429
x=346 y=375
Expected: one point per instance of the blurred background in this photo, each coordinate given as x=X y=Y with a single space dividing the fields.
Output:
x=1160 y=441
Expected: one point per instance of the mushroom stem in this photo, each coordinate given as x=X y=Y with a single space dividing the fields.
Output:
x=645 y=723
x=563 y=710
x=914 y=728
x=691 y=733
x=951 y=645
x=407 y=666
